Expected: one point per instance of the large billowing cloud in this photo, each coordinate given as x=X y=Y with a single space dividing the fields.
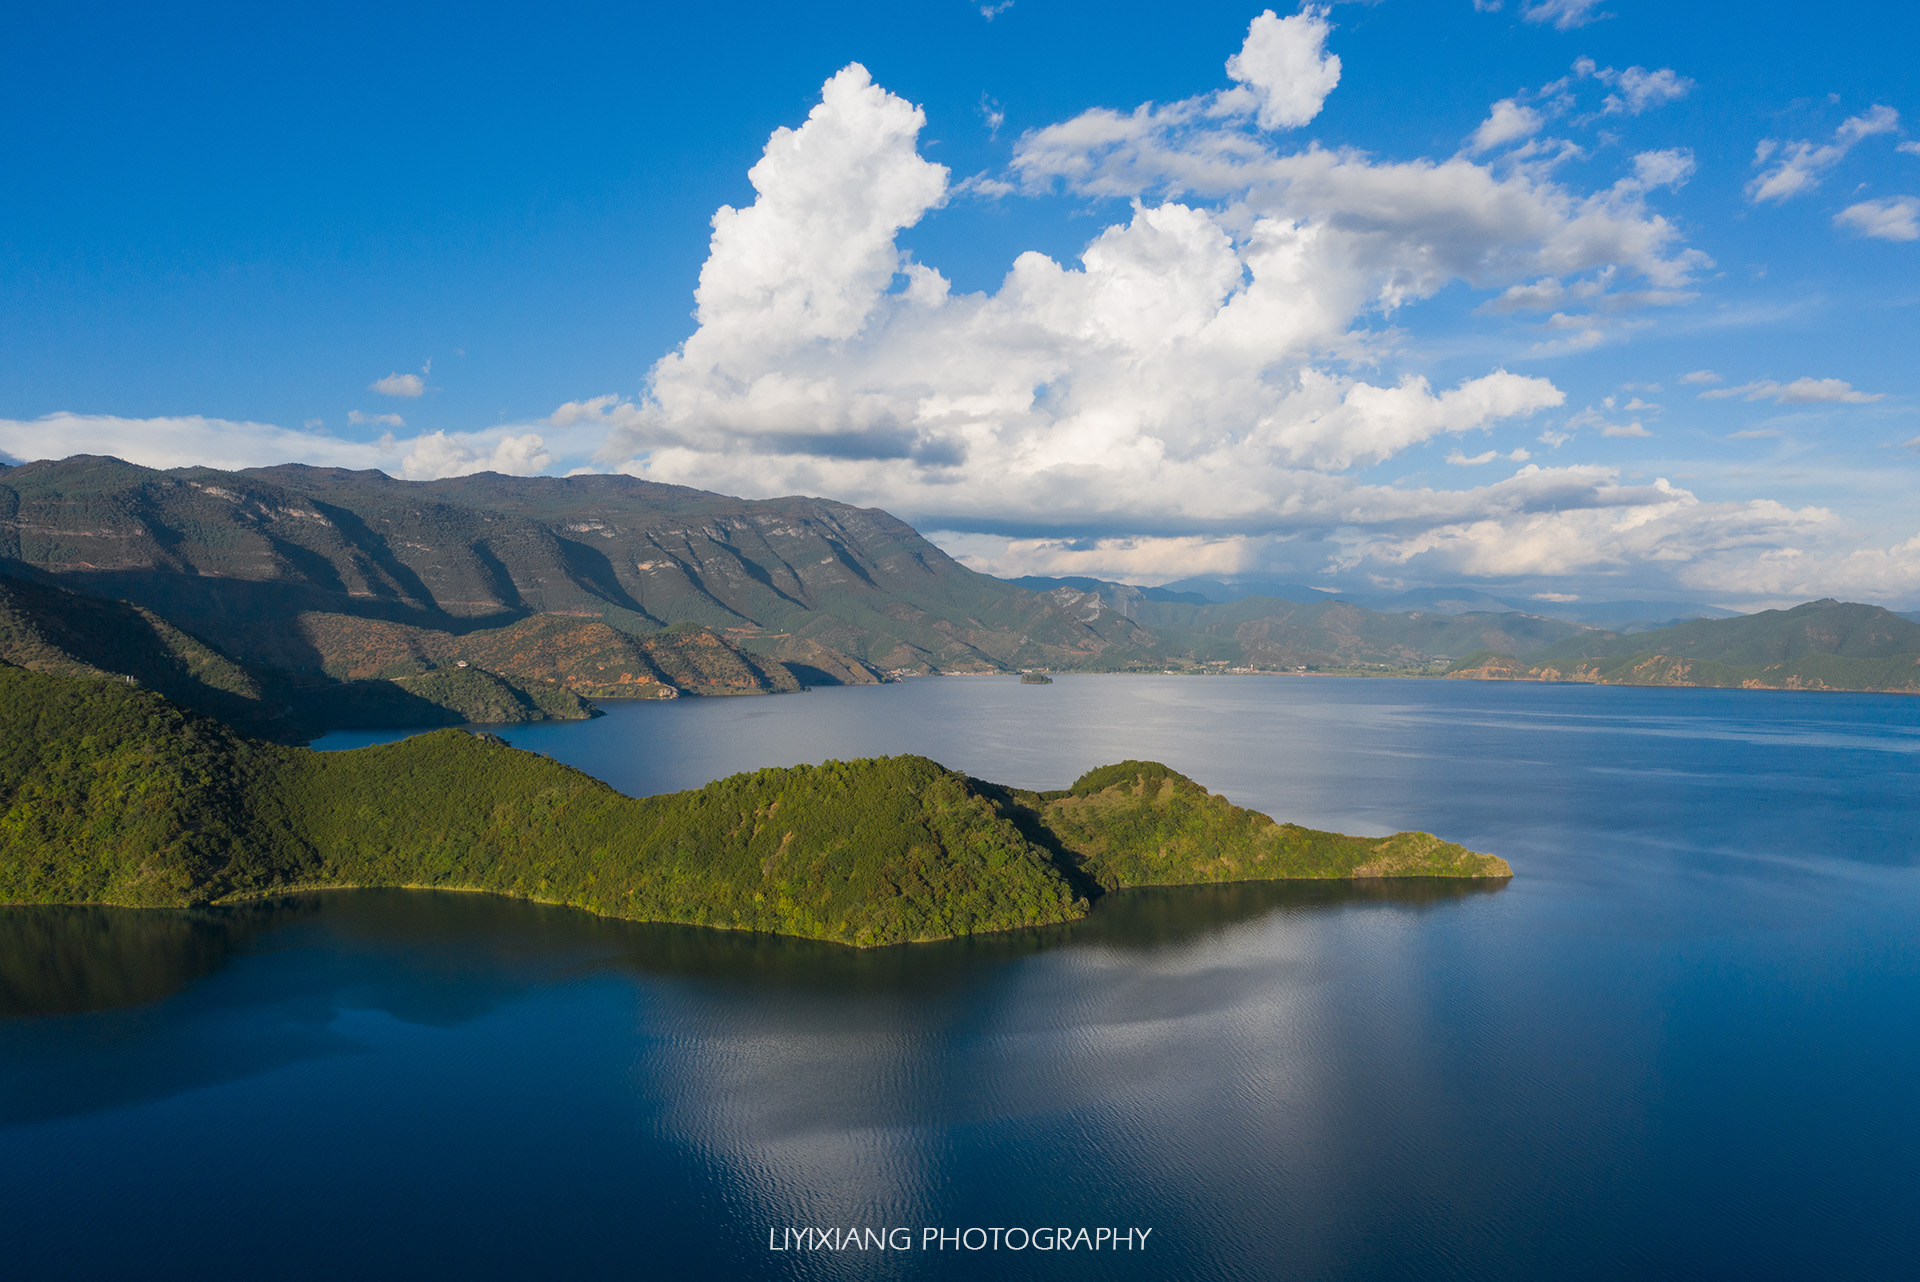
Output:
x=1208 y=384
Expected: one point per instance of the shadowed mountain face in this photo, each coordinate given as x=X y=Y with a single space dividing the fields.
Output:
x=46 y=628
x=841 y=593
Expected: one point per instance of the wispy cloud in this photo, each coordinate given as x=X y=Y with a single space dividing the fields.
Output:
x=375 y=420
x=1789 y=169
x=1459 y=459
x=991 y=112
x=1637 y=90
x=1801 y=391
x=1565 y=15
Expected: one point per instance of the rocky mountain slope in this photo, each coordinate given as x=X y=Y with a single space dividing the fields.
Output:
x=835 y=592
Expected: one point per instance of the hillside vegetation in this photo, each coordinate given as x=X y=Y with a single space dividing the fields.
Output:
x=110 y=794
x=1822 y=645
x=1139 y=823
x=45 y=628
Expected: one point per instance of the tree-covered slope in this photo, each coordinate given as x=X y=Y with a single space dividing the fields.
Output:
x=1822 y=645
x=111 y=794
x=47 y=628
x=1139 y=823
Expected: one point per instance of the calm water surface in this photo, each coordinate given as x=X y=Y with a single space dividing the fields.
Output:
x=1681 y=1043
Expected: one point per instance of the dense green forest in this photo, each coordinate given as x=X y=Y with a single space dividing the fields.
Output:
x=1139 y=823
x=111 y=794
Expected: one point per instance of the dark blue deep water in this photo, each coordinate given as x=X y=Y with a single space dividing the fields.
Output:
x=1684 y=1041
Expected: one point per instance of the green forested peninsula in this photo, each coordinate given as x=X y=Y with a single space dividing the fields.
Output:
x=110 y=794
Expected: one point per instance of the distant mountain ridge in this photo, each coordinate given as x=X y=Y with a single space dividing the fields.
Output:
x=1317 y=633
x=1626 y=616
x=1822 y=645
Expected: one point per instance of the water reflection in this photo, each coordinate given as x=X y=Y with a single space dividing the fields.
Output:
x=439 y=950
x=61 y=960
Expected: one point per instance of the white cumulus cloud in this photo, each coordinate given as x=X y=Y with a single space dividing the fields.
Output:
x=1190 y=370
x=1285 y=65
x=1507 y=121
x=399 y=385
x=1892 y=218
x=1203 y=387
x=437 y=455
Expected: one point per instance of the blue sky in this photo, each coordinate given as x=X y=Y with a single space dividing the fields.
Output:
x=1426 y=317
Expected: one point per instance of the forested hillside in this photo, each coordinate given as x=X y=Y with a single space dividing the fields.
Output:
x=111 y=794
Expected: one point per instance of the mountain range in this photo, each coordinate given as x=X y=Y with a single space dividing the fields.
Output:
x=292 y=599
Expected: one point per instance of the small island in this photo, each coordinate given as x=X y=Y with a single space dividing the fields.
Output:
x=110 y=794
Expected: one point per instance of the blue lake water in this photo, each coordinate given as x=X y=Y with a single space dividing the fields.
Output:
x=1681 y=1043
